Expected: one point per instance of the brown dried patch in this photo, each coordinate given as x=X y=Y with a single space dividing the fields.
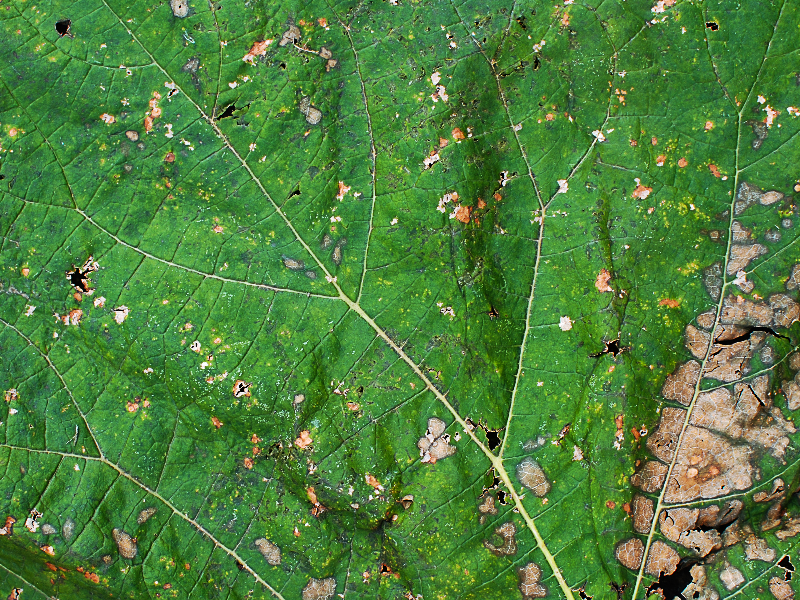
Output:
x=680 y=384
x=742 y=255
x=304 y=440
x=641 y=192
x=145 y=515
x=435 y=444
x=458 y=134
x=531 y=475
x=699 y=588
x=241 y=388
x=630 y=553
x=651 y=477
x=780 y=589
x=706 y=320
x=271 y=552
x=680 y=525
x=319 y=589
x=662 y=559
x=756 y=548
x=487 y=505
x=258 y=49
x=771 y=197
x=731 y=577
x=462 y=213
x=507 y=532
x=601 y=283
x=669 y=303
x=125 y=544
x=529 y=585
x=793 y=282
x=707 y=465
x=790 y=529
x=642 y=513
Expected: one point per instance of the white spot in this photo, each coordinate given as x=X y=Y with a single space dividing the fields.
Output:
x=565 y=324
x=148 y=370
x=169 y=133
x=77 y=468
x=394 y=221
x=771 y=114
x=99 y=302
x=793 y=111
x=599 y=135
x=436 y=78
x=108 y=119
x=12 y=411
x=563 y=186
x=120 y=314
x=29 y=310
x=577 y=454
x=431 y=160
x=761 y=99
x=330 y=279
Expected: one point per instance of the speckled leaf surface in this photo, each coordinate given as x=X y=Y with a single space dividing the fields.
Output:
x=399 y=299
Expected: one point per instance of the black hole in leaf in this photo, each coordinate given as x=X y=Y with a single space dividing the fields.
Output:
x=62 y=27
x=712 y=26
x=295 y=193
x=672 y=586
x=493 y=314
x=536 y=63
x=619 y=589
x=283 y=65
x=239 y=566
x=501 y=497
x=493 y=436
x=746 y=335
x=582 y=593
x=2 y=177
x=385 y=569
x=613 y=347
x=786 y=564
x=79 y=280
x=228 y=112
x=521 y=21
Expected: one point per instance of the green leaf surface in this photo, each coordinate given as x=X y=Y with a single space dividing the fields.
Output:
x=399 y=299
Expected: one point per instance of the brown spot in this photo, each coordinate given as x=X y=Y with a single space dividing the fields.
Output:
x=682 y=162
x=443 y=142
x=715 y=170
x=487 y=505
x=125 y=544
x=641 y=192
x=319 y=589
x=481 y=203
x=248 y=462
x=780 y=589
x=170 y=157
x=529 y=585
x=756 y=548
x=148 y=124
x=145 y=515
x=435 y=444
x=531 y=475
x=241 y=388
x=630 y=553
x=462 y=213
x=507 y=532
x=549 y=117
x=601 y=283
x=680 y=384
x=458 y=134
x=271 y=552
x=373 y=482
x=304 y=440
x=258 y=49
x=662 y=559
x=654 y=140
x=642 y=513
x=216 y=422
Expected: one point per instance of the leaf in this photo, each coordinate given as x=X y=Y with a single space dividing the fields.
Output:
x=399 y=299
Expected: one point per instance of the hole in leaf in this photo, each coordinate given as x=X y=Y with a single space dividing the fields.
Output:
x=228 y=112
x=79 y=280
x=62 y=27
x=582 y=593
x=613 y=347
x=619 y=589
x=283 y=65
x=493 y=436
x=501 y=497
x=712 y=26
x=536 y=63
x=521 y=21
x=672 y=586
x=295 y=193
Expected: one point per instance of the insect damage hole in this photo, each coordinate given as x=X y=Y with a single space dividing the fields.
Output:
x=713 y=26
x=674 y=585
x=62 y=27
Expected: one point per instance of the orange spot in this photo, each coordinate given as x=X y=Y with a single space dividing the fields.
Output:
x=660 y=159
x=611 y=504
x=216 y=422
x=304 y=440
x=458 y=134
x=682 y=162
x=92 y=577
x=654 y=140
x=715 y=170
x=462 y=213
x=549 y=117
x=481 y=203
x=668 y=302
x=443 y=142
x=248 y=462
x=601 y=283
